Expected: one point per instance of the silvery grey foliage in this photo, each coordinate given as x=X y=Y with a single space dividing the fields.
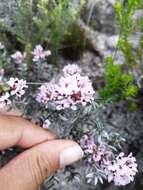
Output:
x=73 y=124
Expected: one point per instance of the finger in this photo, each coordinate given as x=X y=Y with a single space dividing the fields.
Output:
x=8 y=111
x=28 y=170
x=18 y=131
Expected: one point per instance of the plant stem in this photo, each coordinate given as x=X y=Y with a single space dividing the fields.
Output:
x=30 y=20
x=29 y=34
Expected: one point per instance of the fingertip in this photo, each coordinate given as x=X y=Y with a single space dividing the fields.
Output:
x=70 y=155
x=62 y=152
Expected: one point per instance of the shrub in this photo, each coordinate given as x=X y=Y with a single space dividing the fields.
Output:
x=69 y=107
x=41 y=22
x=121 y=81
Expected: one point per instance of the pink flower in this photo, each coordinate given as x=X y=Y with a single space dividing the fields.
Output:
x=87 y=144
x=4 y=100
x=98 y=153
x=71 y=69
x=101 y=153
x=18 y=57
x=62 y=104
x=121 y=170
x=46 y=124
x=17 y=86
x=69 y=92
x=76 y=89
x=47 y=93
x=39 y=53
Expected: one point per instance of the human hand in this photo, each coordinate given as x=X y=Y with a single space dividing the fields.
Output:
x=44 y=153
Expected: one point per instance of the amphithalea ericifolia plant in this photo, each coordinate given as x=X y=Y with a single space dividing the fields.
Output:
x=72 y=91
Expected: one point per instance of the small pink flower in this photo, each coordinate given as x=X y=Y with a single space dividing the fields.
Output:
x=121 y=170
x=17 y=86
x=71 y=69
x=4 y=100
x=62 y=104
x=98 y=153
x=87 y=144
x=46 y=124
x=39 y=53
x=47 y=93
x=18 y=57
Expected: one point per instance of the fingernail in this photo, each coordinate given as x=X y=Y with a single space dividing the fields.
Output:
x=70 y=155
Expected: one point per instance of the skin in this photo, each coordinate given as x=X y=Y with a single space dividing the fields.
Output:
x=40 y=159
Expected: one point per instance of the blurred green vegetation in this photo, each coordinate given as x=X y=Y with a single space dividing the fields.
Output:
x=120 y=81
x=54 y=21
x=43 y=22
x=119 y=85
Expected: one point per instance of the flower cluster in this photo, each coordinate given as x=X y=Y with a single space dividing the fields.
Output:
x=121 y=171
x=13 y=88
x=17 y=87
x=4 y=99
x=72 y=89
x=39 y=53
x=47 y=93
x=71 y=69
x=18 y=57
x=98 y=153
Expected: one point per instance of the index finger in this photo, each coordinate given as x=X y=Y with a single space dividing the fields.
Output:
x=18 y=131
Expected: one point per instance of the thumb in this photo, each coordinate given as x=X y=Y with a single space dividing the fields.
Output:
x=28 y=170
